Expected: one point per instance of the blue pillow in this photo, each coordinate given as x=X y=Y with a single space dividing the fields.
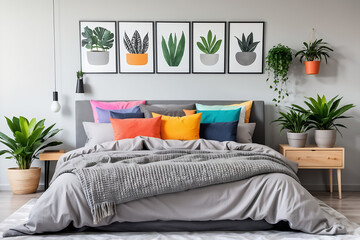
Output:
x=104 y=114
x=216 y=116
x=126 y=115
x=221 y=131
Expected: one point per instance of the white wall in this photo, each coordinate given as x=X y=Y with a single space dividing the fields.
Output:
x=26 y=62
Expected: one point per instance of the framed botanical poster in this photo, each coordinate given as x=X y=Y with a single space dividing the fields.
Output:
x=173 y=47
x=246 y=47
x=208 y=47
x=98 y=46
x=136 y=47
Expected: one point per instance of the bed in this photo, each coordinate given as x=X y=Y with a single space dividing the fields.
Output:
x=148 y=184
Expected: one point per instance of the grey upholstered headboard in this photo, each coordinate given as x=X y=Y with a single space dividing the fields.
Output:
x=83 y=113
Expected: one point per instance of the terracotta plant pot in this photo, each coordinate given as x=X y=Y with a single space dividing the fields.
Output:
x=24 y=181
x=312 y=67
x=325 y=138
x=137 y=59
x=297 y=140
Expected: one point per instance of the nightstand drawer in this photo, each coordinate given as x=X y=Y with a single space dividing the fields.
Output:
x=316 y=158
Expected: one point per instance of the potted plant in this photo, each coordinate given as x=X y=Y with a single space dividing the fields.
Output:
x=137 y=50
x=278 y=63
x=247 y=46
x=173 y=52
x=29 y=138
x=323 y=115
x=313 y=53
x=80 y=82
x=297 y=123
x=98 y=41
x=209 y=47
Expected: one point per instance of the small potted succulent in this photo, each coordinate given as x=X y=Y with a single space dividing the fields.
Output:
x=173 y=52
x=98 y=41
x=323 y=115
x=209 y=47
x=313 y=52
x=29 y=138
x=136 y=49
x=80 y=82
x=297 y=124
x=247 y=56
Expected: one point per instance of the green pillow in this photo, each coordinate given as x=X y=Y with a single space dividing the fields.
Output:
x=216 y=116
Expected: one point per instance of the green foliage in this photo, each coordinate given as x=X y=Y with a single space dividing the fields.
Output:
x=314 y=51
x=173 y=52
x=135 y=46
x=323 y=113
x=79 y=74
x=278 y=63
x=209 y=46
x=29 y=138
x=247 y=44
x=99 y=39
x=295 y=122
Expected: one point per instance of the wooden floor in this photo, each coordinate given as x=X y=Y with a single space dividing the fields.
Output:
x=349 y=205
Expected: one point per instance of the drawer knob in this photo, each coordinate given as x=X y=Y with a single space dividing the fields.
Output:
x=332 y=158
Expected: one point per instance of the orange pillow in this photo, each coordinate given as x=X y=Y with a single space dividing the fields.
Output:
x=180 y=128
x=130 y=128
x=248 y=105
x=189 y=112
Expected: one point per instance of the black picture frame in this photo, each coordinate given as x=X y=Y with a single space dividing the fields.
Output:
x=82 y=67
x=193 y=47
x=157 y=48
x=261 y=71
x=153 y=48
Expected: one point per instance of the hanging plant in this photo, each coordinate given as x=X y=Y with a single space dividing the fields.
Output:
x=278 y=62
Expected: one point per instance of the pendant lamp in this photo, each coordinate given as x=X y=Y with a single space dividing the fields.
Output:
x=55 y=105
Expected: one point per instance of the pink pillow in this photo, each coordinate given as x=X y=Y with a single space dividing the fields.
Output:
x=112 y=106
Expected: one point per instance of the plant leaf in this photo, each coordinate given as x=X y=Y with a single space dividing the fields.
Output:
x=202 y=48
x=216 y=47
x=166 y=52
x=180 y=50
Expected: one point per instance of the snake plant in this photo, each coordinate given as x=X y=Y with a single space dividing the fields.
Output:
x=209 y=45
x=135 y=46
x=173 y=51
x=28 y=139
x=247 y=44
x=100 y=39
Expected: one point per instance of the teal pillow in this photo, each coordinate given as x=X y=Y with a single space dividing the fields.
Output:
x=220 y=116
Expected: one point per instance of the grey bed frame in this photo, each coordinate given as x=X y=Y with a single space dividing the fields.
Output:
x=83 y=113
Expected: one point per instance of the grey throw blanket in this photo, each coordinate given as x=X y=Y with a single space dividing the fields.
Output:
x=113 y=177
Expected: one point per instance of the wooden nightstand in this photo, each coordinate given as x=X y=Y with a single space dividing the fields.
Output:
x=48 y=156
x=312 y=157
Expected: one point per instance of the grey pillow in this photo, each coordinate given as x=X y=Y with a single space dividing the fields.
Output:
x=173 y=110
x=98 y=133
x=245 y=132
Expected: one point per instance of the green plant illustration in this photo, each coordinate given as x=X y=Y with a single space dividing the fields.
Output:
x=173 y=51
x=247 y=44
x=136 y=46
x=315 y=50
x=209 y=45
x=98 y=40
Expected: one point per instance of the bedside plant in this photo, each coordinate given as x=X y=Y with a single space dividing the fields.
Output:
x=173 y=52
x=313 y=54
x=323 y=115
x=209 y=47
x=278 y=63
x=29 y=138
x=297 y=123
x=247 y=46
x=137 y=50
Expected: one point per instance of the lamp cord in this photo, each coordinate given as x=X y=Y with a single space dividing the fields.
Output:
x=54 y=41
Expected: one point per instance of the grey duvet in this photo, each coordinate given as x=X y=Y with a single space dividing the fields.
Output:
x=147 y=179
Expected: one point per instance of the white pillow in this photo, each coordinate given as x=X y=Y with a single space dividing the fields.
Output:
x=98 y=133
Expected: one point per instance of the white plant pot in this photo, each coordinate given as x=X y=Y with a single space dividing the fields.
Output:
x=245 y=58
x=98 y=58
x=297 y=140
x=209 y=59
x=325 y=138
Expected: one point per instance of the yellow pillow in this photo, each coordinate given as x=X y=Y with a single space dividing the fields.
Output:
x=248 y=105
x=180 y=128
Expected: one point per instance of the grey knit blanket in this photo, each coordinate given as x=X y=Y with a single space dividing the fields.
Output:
x=113 y=177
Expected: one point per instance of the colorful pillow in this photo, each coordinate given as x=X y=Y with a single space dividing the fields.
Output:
x=189 y=112
x=131 y=128
x=117 y=115
x=173 y=110
x=180 y=128
x=98 y=133
x=248 y=105
x=104 y=114
x=201 y=107
x=220 y=116
x=112 y=106
x=221 y=131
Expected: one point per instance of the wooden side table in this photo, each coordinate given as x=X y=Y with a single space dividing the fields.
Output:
x=48 y=156
x=312 y=157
